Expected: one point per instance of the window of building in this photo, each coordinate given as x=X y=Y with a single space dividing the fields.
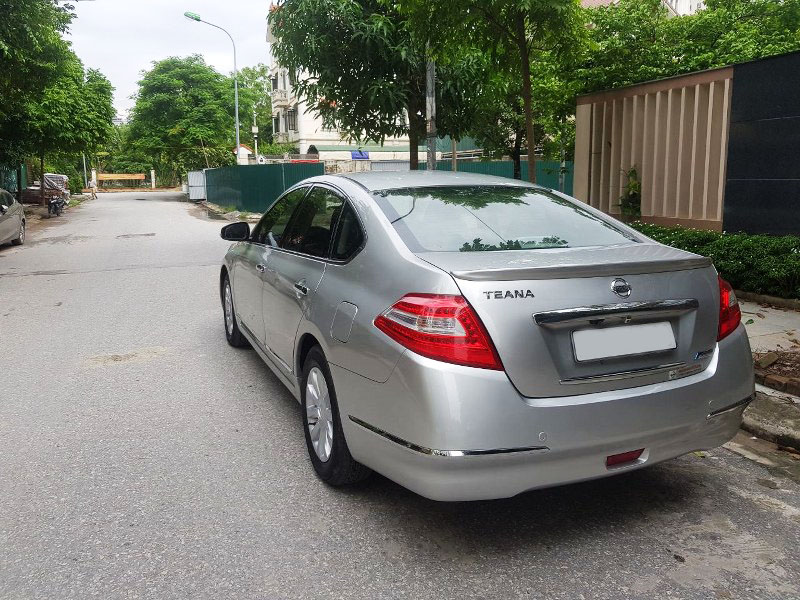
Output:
x=276 y=123
x=291 y=118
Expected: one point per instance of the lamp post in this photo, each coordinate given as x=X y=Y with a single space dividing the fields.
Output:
x=195 y=17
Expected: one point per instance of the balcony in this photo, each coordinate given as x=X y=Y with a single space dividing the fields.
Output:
x=280 y=97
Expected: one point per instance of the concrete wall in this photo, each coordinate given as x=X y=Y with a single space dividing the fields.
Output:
x=673 y=131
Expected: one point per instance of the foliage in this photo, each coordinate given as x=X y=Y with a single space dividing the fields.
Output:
x=632 y=41
x=182 y=119
x=631 y=202
x=364 y=69
x=761 y=264
x=31 y=54
x=254 y=90
x=547 y=242
x=516 y=36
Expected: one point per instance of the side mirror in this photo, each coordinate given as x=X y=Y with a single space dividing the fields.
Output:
x=236 y=232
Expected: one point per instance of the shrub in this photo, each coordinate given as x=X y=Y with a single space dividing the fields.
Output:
x=762 y=264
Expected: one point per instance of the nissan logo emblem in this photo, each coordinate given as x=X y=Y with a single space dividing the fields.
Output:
x=621 y=287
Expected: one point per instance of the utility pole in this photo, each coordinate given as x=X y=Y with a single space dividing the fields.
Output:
x=430 y=113
x=85 y=179
x=255 y=134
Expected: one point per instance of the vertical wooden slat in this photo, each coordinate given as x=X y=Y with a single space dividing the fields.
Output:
x=626 y=142
x=669 y=206
x=685 y=146
x=605 y=155
x=723 y=152
x=648 y=151
x=659 y=146
x=715 y=105
x=616 y=153
x=583 y=152
x=699 y=133
x=597 y=134
x=637 y=133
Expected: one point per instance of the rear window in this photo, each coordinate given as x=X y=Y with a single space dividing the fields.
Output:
x=485 y=218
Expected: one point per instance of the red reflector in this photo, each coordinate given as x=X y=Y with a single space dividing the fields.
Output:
x=625 y=457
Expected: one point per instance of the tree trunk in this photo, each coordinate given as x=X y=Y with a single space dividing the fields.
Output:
x=41 y=179
x=525 y=64
x=515 y=155
x=413 y=139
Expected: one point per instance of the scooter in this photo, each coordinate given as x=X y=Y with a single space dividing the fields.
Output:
x=55 y=206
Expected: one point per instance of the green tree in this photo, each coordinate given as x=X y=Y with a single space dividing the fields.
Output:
x=183 y=118
x=31 y=52
x=363 y=69
x=254 y=90
x=514 y=33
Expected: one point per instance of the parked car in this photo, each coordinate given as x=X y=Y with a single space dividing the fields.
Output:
x=12 y=220
x=474 y=337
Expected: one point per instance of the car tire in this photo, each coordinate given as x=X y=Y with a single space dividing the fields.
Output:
x=21 y=237
x=232 y=333
x=322 y=425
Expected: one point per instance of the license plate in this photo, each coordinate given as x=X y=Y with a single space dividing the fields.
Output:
x=611 y=342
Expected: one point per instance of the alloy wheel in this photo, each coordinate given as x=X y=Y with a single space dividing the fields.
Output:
x=319 y=416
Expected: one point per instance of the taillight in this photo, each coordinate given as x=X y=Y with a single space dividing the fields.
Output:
x=729 y=313
x=441 y=327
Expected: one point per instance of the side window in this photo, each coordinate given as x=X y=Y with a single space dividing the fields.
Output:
x=271 y=226
x=313 y=222
x=348 y=237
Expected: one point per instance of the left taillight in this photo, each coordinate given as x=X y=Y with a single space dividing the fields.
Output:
x=730 y=315
x=441 y=327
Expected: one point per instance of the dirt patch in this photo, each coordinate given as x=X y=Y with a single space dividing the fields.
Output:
x=135 y=235
x=787 y=364
x=143 y=354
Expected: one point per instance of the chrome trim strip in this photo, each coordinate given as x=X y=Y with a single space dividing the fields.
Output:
x=585 y=313
x=731 y=408
x=579 y=270
x=622 y=374
x=446 y=453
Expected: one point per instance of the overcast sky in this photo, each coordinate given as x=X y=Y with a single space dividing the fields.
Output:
x=123 y=37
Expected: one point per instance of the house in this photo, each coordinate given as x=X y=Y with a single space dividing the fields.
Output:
x=677 y=7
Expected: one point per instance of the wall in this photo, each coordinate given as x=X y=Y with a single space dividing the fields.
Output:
x=673 y=131
x=254 y=188
x=763 y=171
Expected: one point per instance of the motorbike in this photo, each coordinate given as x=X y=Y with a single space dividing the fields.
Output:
x=55 y=206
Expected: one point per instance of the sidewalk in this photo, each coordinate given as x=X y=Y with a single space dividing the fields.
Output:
x=774 y=335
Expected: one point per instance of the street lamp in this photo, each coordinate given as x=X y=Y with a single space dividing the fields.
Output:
x=195 y=17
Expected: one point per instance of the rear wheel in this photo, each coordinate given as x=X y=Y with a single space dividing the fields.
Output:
x=232 y=333
x=322 y=425
x=21 y=237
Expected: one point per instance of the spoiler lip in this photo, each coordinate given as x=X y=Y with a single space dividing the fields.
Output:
x=570 y=271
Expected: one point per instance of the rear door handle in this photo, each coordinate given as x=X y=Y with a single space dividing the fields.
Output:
x=300 y=286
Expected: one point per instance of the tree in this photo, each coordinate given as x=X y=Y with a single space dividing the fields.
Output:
x=183 y=118
x=511 y=32
x=73 y=115
x=359 y=66
x=31 y=51
x=254 y=90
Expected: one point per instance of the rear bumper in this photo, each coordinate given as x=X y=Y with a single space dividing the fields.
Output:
x=456 y=433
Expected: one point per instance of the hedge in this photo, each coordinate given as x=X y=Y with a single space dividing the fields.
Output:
x=762 y=264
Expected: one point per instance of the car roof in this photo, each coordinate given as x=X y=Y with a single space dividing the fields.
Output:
x=390 y=180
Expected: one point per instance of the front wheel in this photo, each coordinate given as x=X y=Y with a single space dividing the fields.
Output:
x=232 y=333
x=322 y=425
x=21 y=237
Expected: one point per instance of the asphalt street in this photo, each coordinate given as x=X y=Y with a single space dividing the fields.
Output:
x=142 y=457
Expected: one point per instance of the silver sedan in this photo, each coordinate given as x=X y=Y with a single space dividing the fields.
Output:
x=473 y=337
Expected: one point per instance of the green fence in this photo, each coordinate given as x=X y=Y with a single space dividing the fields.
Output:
x=546 y=170
x=253 y=188
x=8 y=179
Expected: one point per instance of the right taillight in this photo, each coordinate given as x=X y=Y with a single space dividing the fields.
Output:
x=730 y=315
x=441 y=327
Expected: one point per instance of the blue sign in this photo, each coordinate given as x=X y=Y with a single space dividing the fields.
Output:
x=359 y=154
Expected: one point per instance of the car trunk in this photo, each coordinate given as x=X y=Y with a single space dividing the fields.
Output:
x=561 y=330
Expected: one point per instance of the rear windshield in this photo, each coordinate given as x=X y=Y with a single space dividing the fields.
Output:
x=479 y=219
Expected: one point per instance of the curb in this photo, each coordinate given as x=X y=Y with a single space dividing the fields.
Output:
x=790 y=385
x=774 y=419
x=791 y=303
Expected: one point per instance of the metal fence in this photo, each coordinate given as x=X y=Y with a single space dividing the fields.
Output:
x=196 y=181
x=8 y=179
x=254 y=188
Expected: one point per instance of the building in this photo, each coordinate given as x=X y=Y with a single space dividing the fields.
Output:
x=713 y=150
x=677 y=7
x=293 y=121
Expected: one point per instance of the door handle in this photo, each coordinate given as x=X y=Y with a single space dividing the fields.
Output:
x=260 y=268
x=300 y=286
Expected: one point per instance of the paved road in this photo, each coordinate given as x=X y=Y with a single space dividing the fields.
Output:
x=142 y=457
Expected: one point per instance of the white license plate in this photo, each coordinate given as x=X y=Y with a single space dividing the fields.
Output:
x=594 y=344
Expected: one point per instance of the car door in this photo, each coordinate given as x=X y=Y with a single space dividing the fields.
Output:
x=250 y=266
x=297 y=267
x=9 y=220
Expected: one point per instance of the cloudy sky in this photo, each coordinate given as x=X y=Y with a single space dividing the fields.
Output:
x=123 y=37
